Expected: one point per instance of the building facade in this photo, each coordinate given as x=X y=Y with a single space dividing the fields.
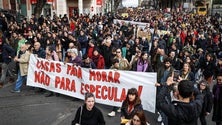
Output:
x=60 y=7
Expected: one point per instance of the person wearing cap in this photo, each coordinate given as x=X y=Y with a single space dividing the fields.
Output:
x=204 y=88
x=74 y=58
x=98 y=59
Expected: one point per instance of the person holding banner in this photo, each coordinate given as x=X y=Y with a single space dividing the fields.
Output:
x=75 y=59
x=88 y=114
x=130 y=105
x=23 y=60
x=50 y=55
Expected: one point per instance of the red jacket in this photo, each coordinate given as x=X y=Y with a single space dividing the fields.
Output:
x=72 y=26
x=100 y=64
x=90 y=52
x=183 y=37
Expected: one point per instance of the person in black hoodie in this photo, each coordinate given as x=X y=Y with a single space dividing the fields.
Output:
x=183 y=111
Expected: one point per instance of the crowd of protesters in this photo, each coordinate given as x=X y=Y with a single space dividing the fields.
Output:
x=192 y=44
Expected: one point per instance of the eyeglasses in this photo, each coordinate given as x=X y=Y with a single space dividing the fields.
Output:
x=136 y=120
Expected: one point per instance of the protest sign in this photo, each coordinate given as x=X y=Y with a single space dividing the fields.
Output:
x=142 y=34
x=124 y=14
x=109 y=86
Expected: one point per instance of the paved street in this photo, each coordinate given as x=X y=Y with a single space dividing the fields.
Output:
x=31 y=108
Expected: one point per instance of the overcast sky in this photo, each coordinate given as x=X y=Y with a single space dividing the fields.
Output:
x=130 y=3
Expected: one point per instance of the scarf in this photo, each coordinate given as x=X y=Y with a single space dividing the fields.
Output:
x=141 y=66
x=217 y=92
x=130 y=107
x=185 y=76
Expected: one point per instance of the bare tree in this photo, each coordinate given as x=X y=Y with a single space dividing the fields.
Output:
x=39 y=6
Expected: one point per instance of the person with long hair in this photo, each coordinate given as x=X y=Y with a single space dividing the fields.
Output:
x=58 y=48
x=186 y=73
x=88 y=114
x=138 y=118
x=143 y=64
x=131 y=104
x=135 y=58
x=209 y=67
x=123 y=62
x=51 y=55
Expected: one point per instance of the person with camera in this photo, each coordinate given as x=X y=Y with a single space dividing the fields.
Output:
x=186 y=109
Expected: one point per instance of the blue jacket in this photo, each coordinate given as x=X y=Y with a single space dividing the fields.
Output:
x=83 y=40
x=40 y=53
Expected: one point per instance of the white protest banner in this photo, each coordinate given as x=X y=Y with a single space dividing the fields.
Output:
x=109 y=86
x=139 y=24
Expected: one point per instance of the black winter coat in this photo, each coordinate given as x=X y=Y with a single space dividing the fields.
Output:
x=207 y=101
x=179 y=113
x=40 y=53
x=217 y=105
x=128 y=115
x=93 y=117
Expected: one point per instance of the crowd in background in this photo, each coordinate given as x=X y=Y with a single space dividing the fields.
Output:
x=192 y=44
